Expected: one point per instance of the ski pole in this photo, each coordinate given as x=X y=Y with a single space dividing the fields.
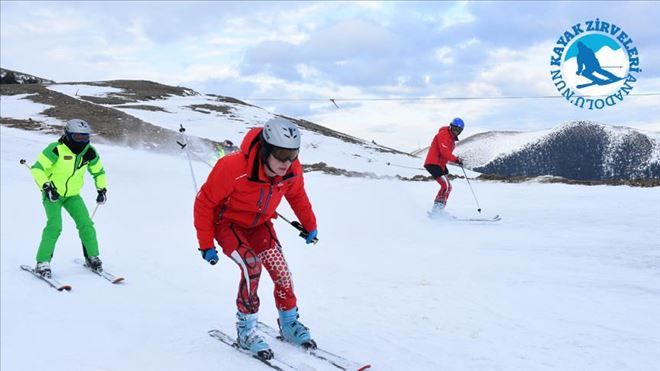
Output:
x=298 y=226
x=184 y=146
x=201 y=160
x=23 y=162
x=403 y=166
x=473 y=195
x=94 y=212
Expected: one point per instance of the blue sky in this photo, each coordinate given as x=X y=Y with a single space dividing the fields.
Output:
x=365 y=51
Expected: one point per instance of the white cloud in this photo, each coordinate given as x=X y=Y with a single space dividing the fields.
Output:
x=457 y=14
x=200 y=72
x=444 y=55
x=470 y=43
x=307 y=71
x=523 y=70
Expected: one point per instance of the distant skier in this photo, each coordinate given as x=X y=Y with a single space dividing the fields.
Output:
x=588 y=65
x=440 y=153
x=59 y=171
x=235 y=206
x=221 y=149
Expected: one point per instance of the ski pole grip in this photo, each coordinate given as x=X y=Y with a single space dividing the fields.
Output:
x=303 y=232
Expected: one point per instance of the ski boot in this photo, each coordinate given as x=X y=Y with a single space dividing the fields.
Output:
x=43 y=269
x=293 y=330
x=438 y=209
x=248 y=338
x=94 y=263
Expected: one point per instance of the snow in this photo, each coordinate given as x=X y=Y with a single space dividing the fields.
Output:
x=78 y=90
x=492 y=145
x=568 y=280
x=19 y=107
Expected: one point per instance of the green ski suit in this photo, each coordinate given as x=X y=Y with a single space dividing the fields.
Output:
x=65 y=169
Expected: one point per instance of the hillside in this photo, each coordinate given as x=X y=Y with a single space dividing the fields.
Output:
x=143 y=114
x=15 y=77
x=579 y=150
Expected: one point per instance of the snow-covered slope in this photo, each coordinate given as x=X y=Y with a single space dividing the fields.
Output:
x=582 y=150
x=556 y=285
x=482 y=148
x=144 y=106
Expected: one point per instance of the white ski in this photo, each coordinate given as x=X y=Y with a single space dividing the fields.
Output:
x=334 y=359
x=50 y=281
x=105 y=274
x=273 y=363
x=448 y=217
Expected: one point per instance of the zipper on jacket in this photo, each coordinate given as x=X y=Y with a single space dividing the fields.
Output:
x=256 y=218
x=66 y=185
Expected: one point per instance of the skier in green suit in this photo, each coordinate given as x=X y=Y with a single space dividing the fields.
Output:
x=59 y=171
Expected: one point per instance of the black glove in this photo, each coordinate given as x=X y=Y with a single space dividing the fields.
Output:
x=101 y=198
x=459 y=161
x=51 y=192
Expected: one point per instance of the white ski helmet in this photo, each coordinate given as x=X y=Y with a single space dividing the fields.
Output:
x=282 y=133
x=77 y=126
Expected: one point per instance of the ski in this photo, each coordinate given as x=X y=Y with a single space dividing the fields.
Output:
x=338 y=361
x=105 y=274
x=495 y=218
x=50 y=281
x=488 y=219
x=274 y=363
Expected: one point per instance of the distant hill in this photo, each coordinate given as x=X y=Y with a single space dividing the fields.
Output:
x=15 y=77
x=577 y=150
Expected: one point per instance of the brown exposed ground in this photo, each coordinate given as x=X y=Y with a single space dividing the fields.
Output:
x=109 y=124
x=205 y=108
x=135 y=91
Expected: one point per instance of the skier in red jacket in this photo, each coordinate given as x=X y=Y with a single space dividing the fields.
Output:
x=235 y=206
x=440 y=153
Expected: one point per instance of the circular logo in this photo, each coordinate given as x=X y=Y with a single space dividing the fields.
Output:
x=594 y=64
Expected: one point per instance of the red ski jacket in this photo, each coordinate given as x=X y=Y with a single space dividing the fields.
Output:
x=238 y=190
x=441 y=148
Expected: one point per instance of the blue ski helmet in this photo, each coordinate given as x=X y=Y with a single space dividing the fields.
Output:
x=457 y=122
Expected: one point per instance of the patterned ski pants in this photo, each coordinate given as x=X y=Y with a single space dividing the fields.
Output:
x=250 y=249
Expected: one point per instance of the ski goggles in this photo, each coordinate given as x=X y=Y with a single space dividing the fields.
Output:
x=285 y=154
x=456 y=129
x=79 y=137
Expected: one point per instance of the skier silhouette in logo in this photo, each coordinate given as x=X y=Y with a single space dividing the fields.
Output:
x=588 y=65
